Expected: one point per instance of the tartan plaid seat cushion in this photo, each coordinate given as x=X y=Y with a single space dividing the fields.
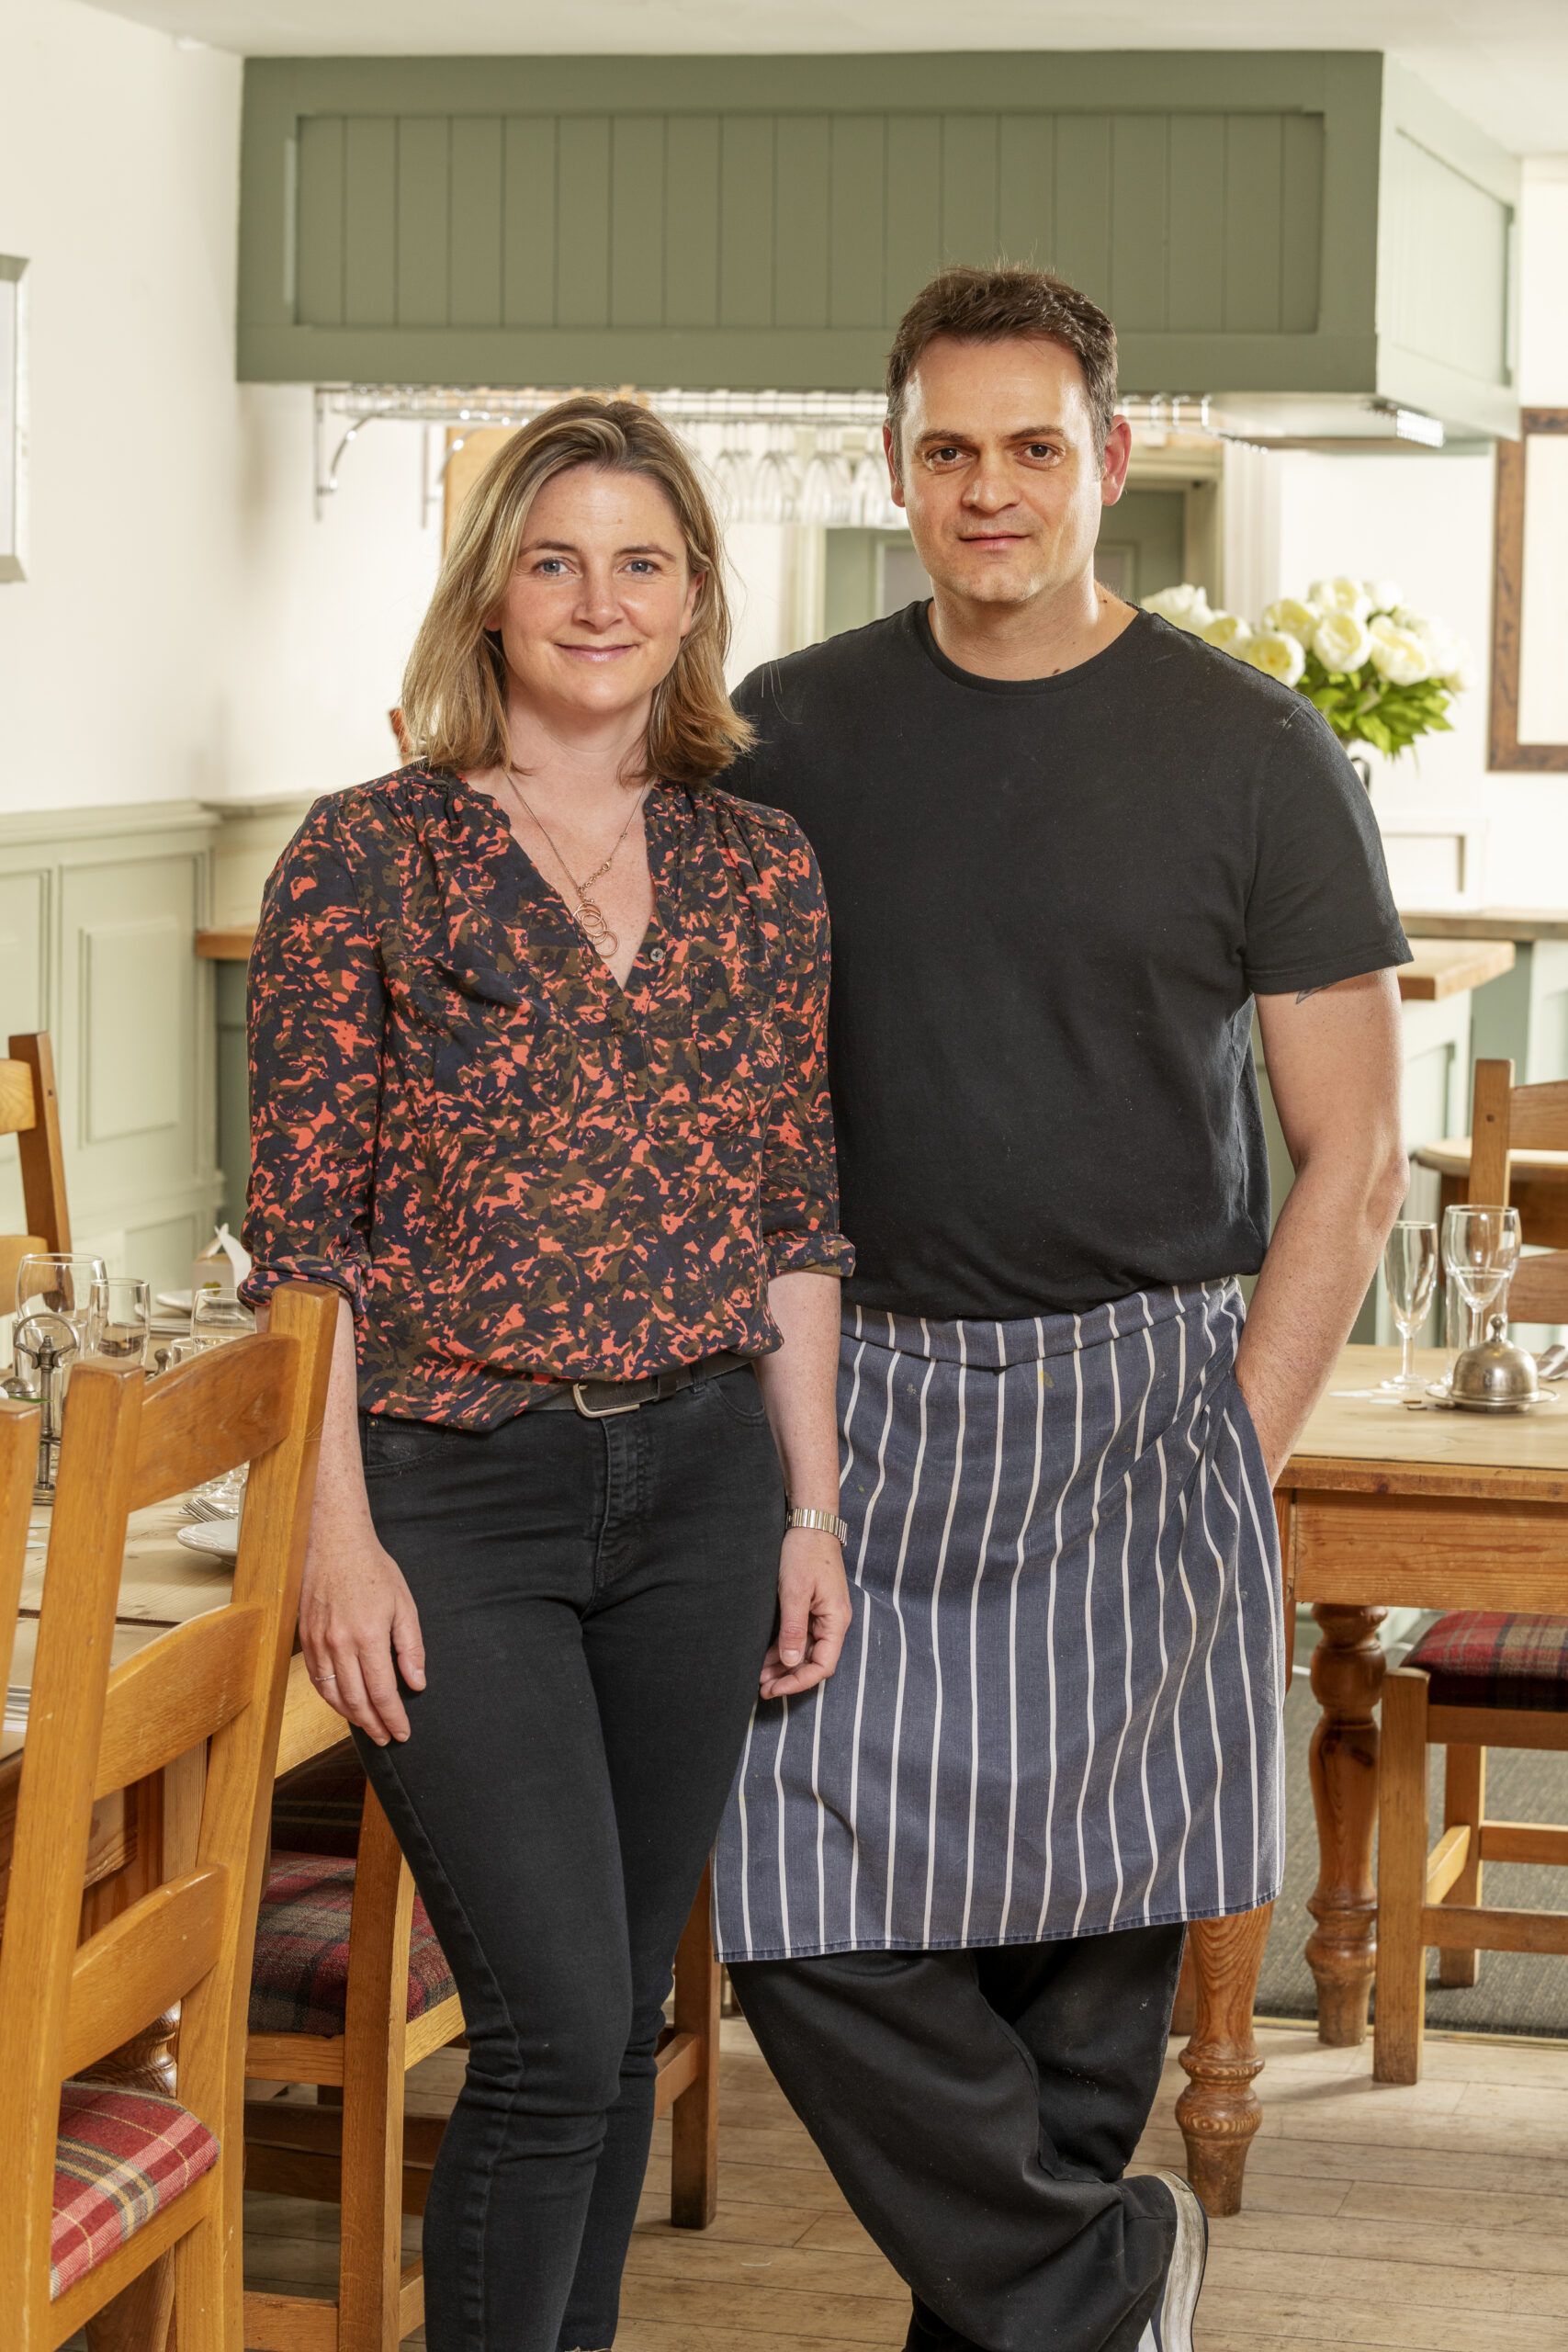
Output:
x=1480 y=1657
x=300 y=1976
x=316 y=1808
x=119 y=2157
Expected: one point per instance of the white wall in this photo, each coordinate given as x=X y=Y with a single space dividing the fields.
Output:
x=326 y=608
x=186 y=629
x=118 y=173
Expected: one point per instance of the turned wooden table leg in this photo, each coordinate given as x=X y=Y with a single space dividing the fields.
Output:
x=1347 y=1677
x=1219 y=2111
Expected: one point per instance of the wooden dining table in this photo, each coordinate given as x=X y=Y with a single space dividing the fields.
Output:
x=1379 y=1506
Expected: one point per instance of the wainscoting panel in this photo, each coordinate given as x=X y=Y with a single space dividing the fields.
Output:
x=98 y=909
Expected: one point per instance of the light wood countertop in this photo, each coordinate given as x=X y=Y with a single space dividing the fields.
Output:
x=1489 y=922
x=1448 y=967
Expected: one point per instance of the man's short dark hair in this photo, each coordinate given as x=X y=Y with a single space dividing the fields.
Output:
x=994 y=306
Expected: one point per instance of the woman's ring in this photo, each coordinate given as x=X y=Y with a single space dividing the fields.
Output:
x=320 y=1678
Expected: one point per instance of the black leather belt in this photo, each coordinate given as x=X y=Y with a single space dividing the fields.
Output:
x=601 y=1400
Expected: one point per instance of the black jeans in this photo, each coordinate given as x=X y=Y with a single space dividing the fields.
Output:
x=978 y=2109
x=595 y=1599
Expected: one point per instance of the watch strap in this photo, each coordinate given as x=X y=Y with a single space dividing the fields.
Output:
x=828 y=1522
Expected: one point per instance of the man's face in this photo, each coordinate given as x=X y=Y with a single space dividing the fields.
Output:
x=1000 y=480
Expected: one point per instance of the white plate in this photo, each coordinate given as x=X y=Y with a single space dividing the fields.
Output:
x=218 y=1536
x=178 y=1299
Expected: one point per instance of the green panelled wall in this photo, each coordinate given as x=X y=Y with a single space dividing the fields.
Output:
x=1255 y=223
x=1178 y=223
x=762 y=222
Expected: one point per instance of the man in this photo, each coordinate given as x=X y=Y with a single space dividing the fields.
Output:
x=1068 y=850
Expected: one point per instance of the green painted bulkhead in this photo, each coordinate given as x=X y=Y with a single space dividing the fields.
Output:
x=1264 y=223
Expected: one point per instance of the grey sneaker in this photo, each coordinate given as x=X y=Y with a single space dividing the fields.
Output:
x=1170 y=2328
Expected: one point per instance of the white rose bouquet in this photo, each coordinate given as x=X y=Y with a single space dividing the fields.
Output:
x=1379 y=673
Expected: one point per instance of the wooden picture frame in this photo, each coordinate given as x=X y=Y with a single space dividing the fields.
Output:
x=1509 y=618
x=13 y=416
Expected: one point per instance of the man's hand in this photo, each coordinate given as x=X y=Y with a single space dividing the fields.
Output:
x=813 y=1615
x=1333 y=1063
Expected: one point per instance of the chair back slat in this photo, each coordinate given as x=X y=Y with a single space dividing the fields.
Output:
x=40 y=1149
x=211 y=1414
x=182 y=1688
x=1539 y=1291
x=19 y=1112
x=1506 y=1118
x=142 y=1964
x=13 y=1247
x=125 y=1442
x=1539 y=1117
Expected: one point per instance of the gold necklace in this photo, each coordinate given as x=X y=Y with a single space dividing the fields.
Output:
x=590 y=914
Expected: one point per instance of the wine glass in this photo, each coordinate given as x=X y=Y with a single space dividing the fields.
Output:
x=1409 y=1271
x=1480 y=1249
x=119 y=1317
x=59 y=1282
x=218 y=1317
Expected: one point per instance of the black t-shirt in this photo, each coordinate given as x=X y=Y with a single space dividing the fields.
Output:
x=1052 y=903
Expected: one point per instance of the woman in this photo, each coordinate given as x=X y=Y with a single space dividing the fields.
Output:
x=537 y=1081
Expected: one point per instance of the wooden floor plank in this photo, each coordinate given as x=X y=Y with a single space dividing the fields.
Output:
x=1430 y=2218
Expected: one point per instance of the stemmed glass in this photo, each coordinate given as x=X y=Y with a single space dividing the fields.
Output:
x=1409 y=1270
x=1480 y=1249
x=120 y=1319
x=773 y=487
x=58 y=1281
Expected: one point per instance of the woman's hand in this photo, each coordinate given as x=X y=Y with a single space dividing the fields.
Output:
x=813 y=1615
x=356 y=1611
x=356 y=1615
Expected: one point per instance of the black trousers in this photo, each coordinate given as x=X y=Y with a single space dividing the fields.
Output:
x=978 y=2109
x=595 y=1599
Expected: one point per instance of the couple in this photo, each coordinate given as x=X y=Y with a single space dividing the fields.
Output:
x=541 y=1054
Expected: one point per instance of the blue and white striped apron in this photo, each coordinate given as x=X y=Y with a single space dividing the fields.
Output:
x=1057 y=1710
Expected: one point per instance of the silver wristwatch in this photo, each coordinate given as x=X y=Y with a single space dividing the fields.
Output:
x=829 y=1522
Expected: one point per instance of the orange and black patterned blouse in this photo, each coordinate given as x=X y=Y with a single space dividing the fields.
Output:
x=518 y=1171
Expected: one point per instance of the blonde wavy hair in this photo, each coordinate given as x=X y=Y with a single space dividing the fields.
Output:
x=454 y=695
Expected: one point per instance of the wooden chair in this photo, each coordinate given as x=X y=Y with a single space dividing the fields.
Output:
x=348 y=1966
x=99 y=2183
x=1476 y=1679
x=29 y=1110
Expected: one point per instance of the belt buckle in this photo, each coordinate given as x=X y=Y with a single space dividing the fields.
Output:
x=606 y=1412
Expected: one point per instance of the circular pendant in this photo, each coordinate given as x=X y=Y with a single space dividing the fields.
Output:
x=592 y=918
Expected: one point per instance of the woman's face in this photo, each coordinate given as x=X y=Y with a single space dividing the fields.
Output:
x=602 y=595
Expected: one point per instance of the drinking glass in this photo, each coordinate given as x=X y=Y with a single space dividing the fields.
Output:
x=775 y=485
x=1409 y=1270
x=1480 y=1249
x=217 y=1316
x=59 y=1282
x=119 y=1317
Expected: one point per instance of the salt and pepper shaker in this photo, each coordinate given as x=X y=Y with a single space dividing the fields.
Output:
x=43 y=1344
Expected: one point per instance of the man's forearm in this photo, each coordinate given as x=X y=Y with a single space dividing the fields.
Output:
x=1324 y=1253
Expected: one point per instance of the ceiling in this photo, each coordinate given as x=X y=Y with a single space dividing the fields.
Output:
x=1503 y=63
